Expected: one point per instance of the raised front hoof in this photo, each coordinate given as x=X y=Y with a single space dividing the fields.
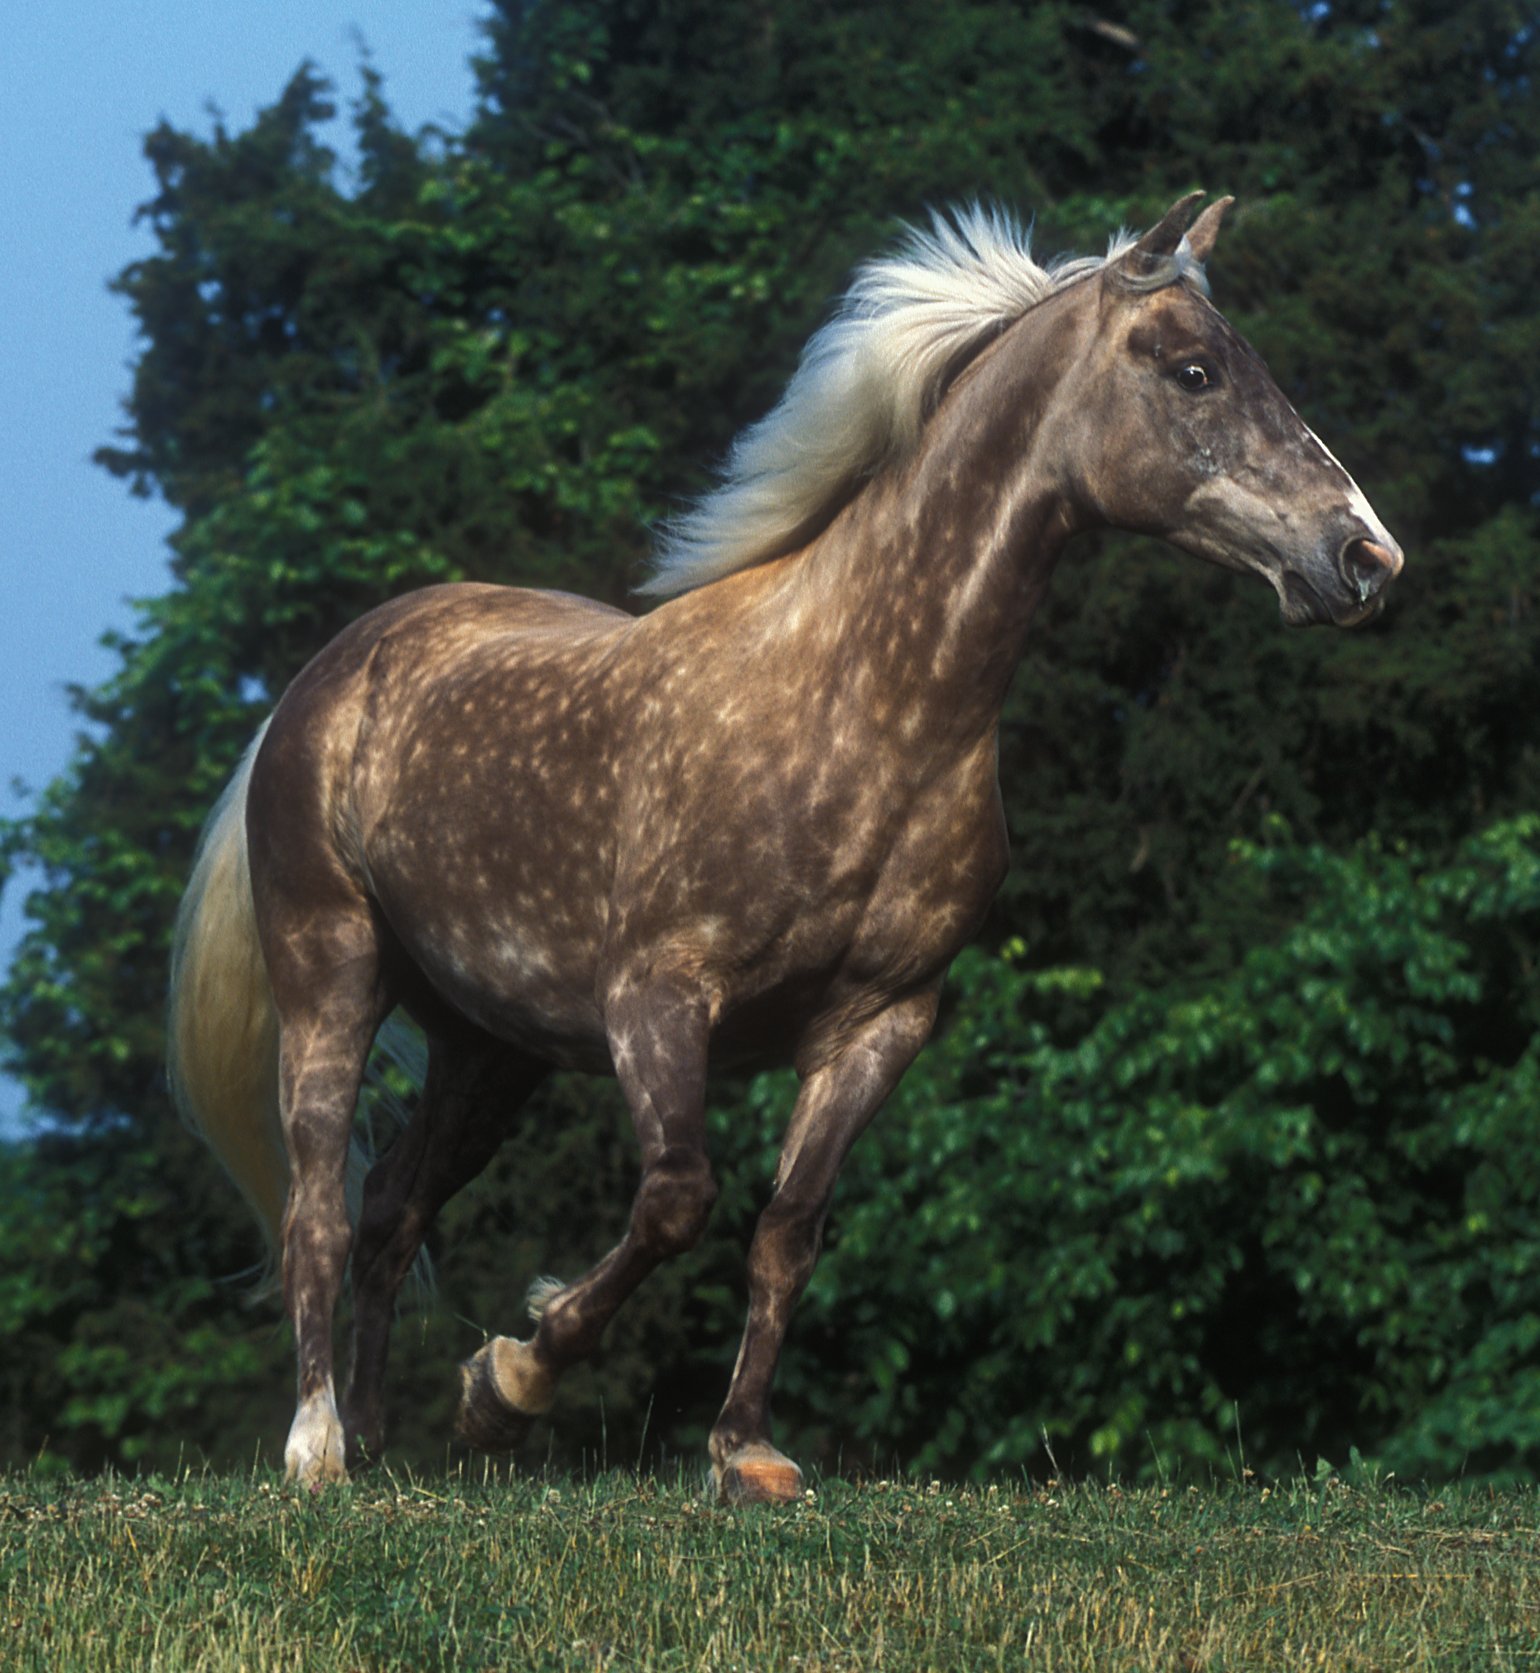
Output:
x=757 y=1475
x=487 y=1419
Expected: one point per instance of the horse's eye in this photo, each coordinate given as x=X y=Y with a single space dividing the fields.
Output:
x=1193 y=377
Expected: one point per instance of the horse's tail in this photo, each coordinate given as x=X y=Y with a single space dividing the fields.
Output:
x=222 y=1027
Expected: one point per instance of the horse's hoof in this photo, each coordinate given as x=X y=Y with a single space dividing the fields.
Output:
x=488 y=1419
x=758 y=1475
x=314 y=1455
x=315 y=1470
x=313 y=1474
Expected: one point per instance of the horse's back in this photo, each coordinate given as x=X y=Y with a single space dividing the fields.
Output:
x=416 y=642
x=438 y=625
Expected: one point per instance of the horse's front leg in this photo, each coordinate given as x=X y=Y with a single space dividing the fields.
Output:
x=658 y=1036
x=834 y=1106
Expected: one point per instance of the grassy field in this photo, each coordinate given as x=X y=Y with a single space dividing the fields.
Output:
x=473 y=1571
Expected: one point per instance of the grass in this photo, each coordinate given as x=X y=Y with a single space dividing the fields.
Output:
x=475 y=1571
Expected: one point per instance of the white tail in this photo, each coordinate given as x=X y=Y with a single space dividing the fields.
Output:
x=221 y=1027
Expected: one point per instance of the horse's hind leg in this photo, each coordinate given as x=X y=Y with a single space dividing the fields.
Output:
x=658 y=1036
x=474 y=1087
x=833 y=1107
x=323 y=960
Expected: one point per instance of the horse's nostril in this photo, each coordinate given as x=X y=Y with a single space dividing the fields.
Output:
x=1368 y=566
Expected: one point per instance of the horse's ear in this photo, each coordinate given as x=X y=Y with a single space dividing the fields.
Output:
x=1151 y=261
x=1163 y=238
x=1202 y=233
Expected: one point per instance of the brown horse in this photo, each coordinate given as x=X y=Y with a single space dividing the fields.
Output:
x=754 y=826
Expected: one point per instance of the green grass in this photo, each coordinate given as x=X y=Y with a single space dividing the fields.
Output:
x=473 y=1571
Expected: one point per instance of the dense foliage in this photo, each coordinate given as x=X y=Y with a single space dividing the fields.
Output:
x=1218 y=1128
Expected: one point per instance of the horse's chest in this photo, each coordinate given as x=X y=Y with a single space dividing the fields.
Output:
x=937 y=879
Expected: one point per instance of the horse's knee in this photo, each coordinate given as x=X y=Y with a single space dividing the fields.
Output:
x=787 y=1243
x=675 y=1201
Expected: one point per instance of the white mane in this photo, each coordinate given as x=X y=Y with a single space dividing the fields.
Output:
x=864 y=387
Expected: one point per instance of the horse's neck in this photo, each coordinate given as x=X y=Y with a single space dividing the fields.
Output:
x=946 y=558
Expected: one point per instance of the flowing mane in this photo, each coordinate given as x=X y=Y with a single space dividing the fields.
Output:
x=866 y=383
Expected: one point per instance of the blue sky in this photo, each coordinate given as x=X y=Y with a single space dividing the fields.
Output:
x=84 y=81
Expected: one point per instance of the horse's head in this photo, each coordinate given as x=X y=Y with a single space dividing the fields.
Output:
x=1185 y=435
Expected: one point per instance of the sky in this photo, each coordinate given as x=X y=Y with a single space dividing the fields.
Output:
x=81 y=83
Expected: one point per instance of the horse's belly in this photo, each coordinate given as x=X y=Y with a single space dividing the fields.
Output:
x=525 y=977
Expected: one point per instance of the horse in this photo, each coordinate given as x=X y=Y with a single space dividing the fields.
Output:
x=752 y=826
